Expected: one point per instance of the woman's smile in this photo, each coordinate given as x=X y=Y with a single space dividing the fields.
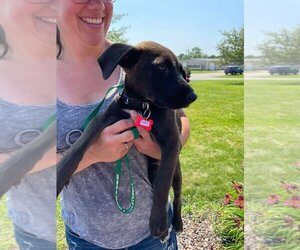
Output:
x=48 y=20
x=91 y=20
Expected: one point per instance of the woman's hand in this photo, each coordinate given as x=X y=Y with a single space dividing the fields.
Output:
x=145 y=144
x=112 y=144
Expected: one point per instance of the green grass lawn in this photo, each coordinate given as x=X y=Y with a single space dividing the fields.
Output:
x=60 y=229
x=7 y=241
x=272 y=118
x=213 y=155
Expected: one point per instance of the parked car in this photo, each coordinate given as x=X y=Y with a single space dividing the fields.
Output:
x=283 y=70
x=233 y=70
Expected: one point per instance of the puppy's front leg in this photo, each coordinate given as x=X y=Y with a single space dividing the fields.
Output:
x=168 y=140
x=177 y=182
x=69 y=163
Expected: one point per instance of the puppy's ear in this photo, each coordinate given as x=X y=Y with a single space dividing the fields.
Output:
x=118 y=54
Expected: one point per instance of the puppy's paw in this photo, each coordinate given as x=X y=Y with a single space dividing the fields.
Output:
x=159 y=225
x=165 y=238
x=177 y=224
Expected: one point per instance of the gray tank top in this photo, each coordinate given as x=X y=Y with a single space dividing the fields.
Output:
x=88 y=205
x=31 y=203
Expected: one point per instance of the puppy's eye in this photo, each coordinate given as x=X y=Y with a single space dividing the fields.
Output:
x=162 y=68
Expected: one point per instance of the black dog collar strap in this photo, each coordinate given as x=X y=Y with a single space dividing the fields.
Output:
x=131 y=103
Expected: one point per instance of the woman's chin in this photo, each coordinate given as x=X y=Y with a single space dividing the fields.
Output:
x=94 y=40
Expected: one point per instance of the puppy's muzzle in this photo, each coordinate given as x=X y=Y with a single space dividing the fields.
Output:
x=191 y=97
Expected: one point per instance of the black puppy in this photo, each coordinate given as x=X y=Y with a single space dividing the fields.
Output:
x=154 y=83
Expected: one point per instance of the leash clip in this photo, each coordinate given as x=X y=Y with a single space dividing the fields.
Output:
x=126 y=101
x=147 y=112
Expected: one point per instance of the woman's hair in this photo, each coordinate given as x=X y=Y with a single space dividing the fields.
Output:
x=3 y=43
x=58 y=43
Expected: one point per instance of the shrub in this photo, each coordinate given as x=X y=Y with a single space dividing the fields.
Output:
x=230 y=226
x=278 y=223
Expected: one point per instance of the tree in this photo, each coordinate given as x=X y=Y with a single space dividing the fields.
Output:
x=282 y=47
x=194 y=52
x=231 y=48
x=117 y=35
x=181 y=56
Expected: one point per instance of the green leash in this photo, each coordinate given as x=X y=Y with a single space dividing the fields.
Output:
x=125 y=158
x=117 y=185
x=96 y=110
x=48 y=122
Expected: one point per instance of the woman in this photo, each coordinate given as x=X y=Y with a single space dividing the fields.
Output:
x=91 y=216
x=27 y=97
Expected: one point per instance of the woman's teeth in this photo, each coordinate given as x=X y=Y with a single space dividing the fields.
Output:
x=47 y=19
x=92 y=20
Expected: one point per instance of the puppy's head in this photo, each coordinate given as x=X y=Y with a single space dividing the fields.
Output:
x=152 y=71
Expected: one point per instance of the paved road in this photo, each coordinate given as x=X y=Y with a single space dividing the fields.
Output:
x=257 y=74
x=265 y=75
x=249 y=75
x=214 y=75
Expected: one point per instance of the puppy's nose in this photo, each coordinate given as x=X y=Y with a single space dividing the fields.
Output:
x=192 y=97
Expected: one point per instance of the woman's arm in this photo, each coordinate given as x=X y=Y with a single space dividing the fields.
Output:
x=185 y=126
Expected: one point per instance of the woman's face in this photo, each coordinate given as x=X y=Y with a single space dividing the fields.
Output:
x=28 y=23
x=84 y=23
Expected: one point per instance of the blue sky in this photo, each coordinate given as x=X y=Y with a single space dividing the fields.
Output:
x=268 y=15
x=181 y=25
